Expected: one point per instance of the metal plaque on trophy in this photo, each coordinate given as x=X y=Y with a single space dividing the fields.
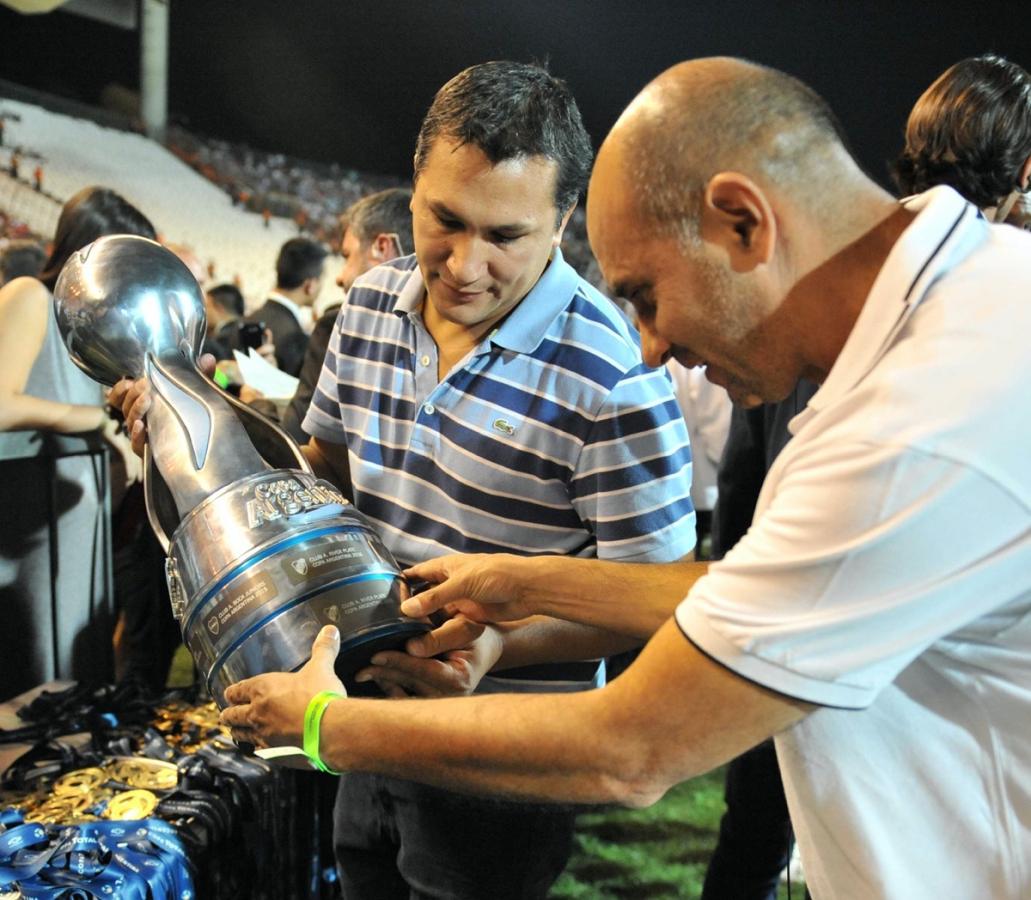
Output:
x=261 y=552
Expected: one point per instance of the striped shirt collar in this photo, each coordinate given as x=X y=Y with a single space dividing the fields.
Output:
x=524 y=328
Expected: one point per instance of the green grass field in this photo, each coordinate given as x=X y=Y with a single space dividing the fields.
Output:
x=655 y=853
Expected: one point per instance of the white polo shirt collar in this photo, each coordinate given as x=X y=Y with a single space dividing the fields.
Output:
x=945 y=230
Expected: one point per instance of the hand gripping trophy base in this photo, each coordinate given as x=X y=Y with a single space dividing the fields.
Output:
x=261 y=553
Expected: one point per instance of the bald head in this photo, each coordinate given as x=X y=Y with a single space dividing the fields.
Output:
x=707 y=116
x=725 y=206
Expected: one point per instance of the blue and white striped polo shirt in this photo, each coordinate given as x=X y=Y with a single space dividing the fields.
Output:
x=551 y=436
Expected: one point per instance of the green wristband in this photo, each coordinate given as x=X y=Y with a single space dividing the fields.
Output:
x=312 y=720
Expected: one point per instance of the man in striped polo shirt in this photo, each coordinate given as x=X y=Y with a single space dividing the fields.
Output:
x=480 y=396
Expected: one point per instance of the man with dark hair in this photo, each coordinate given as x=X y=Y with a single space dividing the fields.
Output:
x=875 y=617
x=373 y=230
x=504 y=433
x=971 y=130
x=21 y=258
x=528 y=96
x=223 y=305
x=299 y=270
x=480 y=396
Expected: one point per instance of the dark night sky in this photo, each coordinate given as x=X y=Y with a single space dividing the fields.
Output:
x=349 y=80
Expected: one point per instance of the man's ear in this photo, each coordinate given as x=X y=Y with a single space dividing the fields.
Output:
x=383 y=247
x=1024 y=179
x=737 y=216
x=563 y=222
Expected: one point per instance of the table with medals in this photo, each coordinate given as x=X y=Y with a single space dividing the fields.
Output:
x=109 y=793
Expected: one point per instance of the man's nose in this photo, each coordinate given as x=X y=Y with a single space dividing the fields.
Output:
x=654 y=349
x=467 y=260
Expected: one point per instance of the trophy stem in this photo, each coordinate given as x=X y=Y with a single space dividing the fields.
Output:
x=189 y=417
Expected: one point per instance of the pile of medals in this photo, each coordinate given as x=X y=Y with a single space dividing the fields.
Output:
x=167 y=808
x=121 y=789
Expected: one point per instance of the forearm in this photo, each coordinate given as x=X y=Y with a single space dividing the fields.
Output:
x=542 y=639
x=20 y=412
x=632 y=599
x=673 y=715
x=509 y=745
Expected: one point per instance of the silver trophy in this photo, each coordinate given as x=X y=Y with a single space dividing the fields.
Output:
x=261 y=553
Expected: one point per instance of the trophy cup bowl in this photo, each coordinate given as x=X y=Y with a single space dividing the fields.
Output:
x=261 y=552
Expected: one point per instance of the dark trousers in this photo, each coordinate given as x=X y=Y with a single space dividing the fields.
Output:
x=755 y=833
x=398 y=839
x=149 y=634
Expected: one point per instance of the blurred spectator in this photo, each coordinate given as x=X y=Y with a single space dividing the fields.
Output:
x=299 y=271
x=223 y=305
x=21 y=258
x=52 y=584
x=375 y=229
x=37 y=177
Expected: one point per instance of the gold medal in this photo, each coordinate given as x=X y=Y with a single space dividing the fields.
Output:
x=81 y=781
x=149 y=774
x=131 y=805
x=59 y=808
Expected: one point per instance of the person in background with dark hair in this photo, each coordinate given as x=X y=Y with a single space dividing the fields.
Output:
x=42 y=392
x=971 y=130
x=480 y=396
x=374 y=229
x=223 y=306
x=299 y=270
x=22 y=258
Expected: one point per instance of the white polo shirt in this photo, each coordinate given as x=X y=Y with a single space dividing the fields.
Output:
x=887 y=578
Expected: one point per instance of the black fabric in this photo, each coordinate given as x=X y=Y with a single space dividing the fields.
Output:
x=754 y=441
x=287 y=334
x=398 y=839
x=314 y=357
x=149 y=634
x=755 y=836
x=224 y=341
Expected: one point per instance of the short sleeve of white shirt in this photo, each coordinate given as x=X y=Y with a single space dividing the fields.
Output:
x=839 y=584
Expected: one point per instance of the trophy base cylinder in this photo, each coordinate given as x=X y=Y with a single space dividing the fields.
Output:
x=260 y=567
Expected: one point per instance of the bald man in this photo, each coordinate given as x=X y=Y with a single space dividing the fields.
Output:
x=877 y=616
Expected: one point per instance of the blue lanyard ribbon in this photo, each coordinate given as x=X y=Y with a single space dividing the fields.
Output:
x=132 y=860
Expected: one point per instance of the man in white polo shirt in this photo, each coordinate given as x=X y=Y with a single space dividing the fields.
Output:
x=877 y=616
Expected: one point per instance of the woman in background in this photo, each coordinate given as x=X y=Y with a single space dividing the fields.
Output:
x=55 y=579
